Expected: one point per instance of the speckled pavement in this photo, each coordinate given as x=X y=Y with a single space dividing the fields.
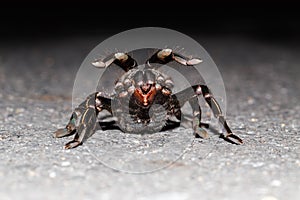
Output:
x=262 y=86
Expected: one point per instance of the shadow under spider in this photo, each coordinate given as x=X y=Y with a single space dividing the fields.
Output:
x=112 y=125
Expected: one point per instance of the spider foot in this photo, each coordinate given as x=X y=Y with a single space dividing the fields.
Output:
x=200 y=133
x=72 y=144
x=232 y=138
x=62 y=132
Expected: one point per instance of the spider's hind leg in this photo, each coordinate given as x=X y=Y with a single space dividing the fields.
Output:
x=216 y=109
x=197 y=125
x=188 y=95
x=70 y=128
x=85 y=127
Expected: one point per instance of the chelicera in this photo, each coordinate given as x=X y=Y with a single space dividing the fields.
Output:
x=142 y=100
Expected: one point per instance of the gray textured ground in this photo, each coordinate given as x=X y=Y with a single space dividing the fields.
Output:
x=262 y=83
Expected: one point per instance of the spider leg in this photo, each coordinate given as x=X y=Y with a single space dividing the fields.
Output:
x=70 y=129
x=123 y=60
x=216 y=109
x=196 y=122
x=85 y=127
x=165 y=56
x=190 y=96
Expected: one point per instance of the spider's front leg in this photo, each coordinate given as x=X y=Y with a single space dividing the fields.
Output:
x=85 y=127
x=164 y=56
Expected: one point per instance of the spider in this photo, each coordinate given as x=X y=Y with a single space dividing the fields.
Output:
x=142 y=100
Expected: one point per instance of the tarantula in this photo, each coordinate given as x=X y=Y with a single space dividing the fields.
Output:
x=142 y=100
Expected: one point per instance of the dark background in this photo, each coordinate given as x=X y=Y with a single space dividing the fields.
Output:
x=269 y=20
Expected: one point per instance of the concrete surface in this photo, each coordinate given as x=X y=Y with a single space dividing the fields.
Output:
x=262 y=84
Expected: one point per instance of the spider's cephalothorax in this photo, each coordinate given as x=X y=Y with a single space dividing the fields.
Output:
x=142 y=100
